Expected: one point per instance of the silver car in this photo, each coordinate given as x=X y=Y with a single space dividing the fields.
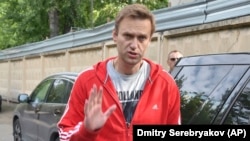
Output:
x=35 y=117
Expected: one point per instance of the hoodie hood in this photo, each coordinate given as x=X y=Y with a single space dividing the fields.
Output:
x=102 y=74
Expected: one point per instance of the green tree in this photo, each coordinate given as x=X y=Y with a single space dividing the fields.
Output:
x=27 y=21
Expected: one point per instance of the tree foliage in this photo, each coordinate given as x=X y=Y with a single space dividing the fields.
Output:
x=27 y=21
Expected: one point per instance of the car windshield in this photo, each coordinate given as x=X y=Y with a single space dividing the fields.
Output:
x=202 y=92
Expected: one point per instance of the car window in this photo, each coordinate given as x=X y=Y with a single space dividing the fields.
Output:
x=57 y=92
x=40 y=92
x=68 y=91
x=204 y=90
x=240 y=112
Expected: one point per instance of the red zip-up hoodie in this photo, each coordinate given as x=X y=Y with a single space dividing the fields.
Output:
x=159 y=104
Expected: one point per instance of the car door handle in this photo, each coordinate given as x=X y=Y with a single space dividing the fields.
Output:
x=57 y=111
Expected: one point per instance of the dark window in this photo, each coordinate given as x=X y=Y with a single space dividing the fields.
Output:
x=203 y=92
x=40 y=92
x=240 y=112
x=68 y=91
x=57 y=92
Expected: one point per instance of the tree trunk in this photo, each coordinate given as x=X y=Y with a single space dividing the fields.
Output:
x=53 y=22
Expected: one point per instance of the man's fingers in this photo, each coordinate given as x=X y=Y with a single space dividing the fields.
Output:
x=90 y=100
x=86 y=107
x=110 y=110
x=95 y=98
x=99 y=96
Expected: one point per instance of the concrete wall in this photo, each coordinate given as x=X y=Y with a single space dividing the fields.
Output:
x=23 y=74
x=224 y=36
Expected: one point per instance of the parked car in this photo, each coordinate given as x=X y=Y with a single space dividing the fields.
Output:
x=36 y=115
x=215 y=88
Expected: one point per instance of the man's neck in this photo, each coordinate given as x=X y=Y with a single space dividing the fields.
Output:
x=125 y=68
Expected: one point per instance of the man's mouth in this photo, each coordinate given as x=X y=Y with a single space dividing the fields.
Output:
x=132 y=54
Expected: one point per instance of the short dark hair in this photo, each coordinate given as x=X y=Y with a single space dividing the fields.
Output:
x=135 y=11
x=173 y=51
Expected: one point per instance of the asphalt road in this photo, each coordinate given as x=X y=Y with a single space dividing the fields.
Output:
x=6 y=121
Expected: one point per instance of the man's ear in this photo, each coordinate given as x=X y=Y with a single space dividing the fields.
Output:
x=114 y=34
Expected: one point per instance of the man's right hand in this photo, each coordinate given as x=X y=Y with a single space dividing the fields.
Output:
x=95 y=118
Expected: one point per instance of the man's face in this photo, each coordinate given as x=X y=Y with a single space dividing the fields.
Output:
x=132 y=39
x=173 y=58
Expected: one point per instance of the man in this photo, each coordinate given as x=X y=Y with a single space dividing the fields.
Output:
x=117 y=93
x=173 y=57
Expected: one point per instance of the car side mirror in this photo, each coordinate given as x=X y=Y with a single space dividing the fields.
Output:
x=23 y=98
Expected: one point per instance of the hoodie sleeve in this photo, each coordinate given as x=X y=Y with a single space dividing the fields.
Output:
x=70 y=126
x=175 y=100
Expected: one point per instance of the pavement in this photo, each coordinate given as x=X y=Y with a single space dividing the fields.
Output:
x=6 y=121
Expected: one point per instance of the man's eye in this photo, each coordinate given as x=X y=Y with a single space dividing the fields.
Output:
x=142 y=38
x=127 y=36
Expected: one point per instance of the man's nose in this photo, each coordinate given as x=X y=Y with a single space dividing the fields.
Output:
x=134 y=43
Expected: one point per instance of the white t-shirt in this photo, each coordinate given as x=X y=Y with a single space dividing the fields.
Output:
x=129 y=88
